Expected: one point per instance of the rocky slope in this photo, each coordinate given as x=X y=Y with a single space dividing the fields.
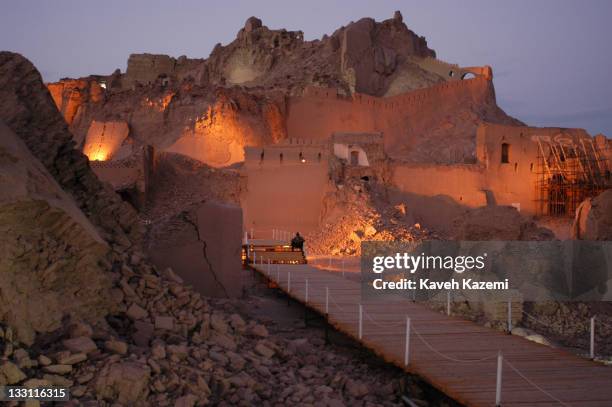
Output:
x=50 y=253
x=362 y=57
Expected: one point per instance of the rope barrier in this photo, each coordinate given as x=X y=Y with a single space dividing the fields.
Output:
x=535 y=385
x=362 y=312
x=449 y=357
x=338 y=305
x=383 y=325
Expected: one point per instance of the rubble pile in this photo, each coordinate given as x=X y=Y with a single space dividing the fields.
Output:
x=169 y=346
x=354 y=213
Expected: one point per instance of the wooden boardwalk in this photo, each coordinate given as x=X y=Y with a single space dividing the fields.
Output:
x=454 y=355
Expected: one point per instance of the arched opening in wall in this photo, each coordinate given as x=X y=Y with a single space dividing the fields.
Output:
x=354 y=157
x=505 y=153
x=468 y=75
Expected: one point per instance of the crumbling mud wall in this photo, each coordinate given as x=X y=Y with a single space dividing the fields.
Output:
x=71 y=96
x=104 y=140
x=145 y=69
x=436 y=194
x=436 y=124
x=202 y=245
x=210 y=125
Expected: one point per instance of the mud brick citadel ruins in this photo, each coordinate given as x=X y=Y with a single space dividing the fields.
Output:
x=126 y=200
x=442 y=136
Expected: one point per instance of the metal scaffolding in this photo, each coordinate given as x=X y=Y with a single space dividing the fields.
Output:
x=568 y=173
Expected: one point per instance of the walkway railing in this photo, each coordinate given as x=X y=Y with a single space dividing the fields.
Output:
x=359 y=319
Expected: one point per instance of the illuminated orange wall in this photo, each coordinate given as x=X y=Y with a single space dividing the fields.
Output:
x=403 y=119
x=104 y=139
x=287 y=195
x=70 y=95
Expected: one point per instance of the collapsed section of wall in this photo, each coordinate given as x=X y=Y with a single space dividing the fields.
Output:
x=203 y=246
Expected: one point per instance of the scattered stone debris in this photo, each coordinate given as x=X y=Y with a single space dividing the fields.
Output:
x=355 y=213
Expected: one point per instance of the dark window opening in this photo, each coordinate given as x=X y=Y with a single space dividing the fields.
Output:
x=365 y=178
x=505 y=153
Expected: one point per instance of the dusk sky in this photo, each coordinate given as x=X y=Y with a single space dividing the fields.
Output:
x=551 y=59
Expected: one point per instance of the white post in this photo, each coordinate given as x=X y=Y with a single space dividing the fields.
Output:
x=499 y=380
x=306 y=296
x=326 y=300
x=288 y=281
x=448 y=303
x=360 y=321
x=593 y=338
x=407 y=348
x=509 y=316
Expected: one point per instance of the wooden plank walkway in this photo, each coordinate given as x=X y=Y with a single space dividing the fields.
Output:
x=454 y=355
